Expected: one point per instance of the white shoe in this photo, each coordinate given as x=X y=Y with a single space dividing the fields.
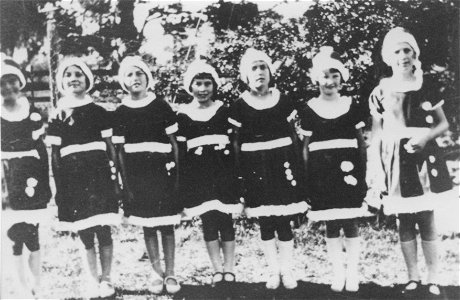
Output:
x=352 y=282
x=273 y=281
x=338 y=283
x=288 y=280
x=172 y=288
x=106 y=289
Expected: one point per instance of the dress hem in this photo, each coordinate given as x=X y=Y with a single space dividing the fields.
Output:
x=277 y=210
x=393 y=205
x=213 y=205
x=340 y=213
x=153 y=221
x=97 y=220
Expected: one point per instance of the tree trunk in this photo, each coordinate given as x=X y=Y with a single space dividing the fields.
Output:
x=53 y=55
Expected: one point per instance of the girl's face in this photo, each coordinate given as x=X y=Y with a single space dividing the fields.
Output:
x=403 y=59
x=259 y=75
x=202 y=89
x=135 y=80
x=10 y=87
x=330 y=82
x=74 y=81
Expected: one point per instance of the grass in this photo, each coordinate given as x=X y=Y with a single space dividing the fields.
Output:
x=63 y=268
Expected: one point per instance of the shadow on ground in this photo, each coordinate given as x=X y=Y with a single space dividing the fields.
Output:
x=305 y=290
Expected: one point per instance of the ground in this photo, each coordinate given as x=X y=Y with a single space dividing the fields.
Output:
x=381 y=263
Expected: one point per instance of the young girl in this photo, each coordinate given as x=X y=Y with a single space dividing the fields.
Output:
x=25 y=171
x=335 y=165
x=207 y=179
x=84 y=167
x=145 y=134
x=267 y=159
x=407 y=117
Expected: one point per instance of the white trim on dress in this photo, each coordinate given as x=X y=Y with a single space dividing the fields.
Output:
x=333 y=144
x=97 y=220
x=20 y=154
x=268 y=145
x=75 y=148
x=340 y=213
x=277 y=210
x=153 y=221
x=211 y=205
x=211 y=139
x=147 y=147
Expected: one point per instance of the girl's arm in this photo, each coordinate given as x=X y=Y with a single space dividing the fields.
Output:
x=362 y=148
x=237 y=149
x=55 y=165
x=120 y=152
x=175 y=149
x=417 y=143
x=113 y=158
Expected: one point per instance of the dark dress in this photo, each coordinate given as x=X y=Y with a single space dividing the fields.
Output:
x=414 y=182
x=336 y=173
x=268 y=160
x=25 y=166
x=207 y=178
x=85 y=196
x=142 y=127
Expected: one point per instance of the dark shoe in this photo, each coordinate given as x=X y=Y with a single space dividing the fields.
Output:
x=411 y=289
x=217 y=279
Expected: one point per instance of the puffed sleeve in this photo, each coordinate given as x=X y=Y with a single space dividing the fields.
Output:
x=375 y=102
x=290 y=109
x=38 y=128
x=361 y=113
x=169 y=118
x=234 y=117
x=105 y=122
x=306 y=122
x=118 y=136
x=181 y=134
x=54 y=132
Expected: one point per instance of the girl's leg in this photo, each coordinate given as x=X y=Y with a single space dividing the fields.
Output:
x=35 y=268
x=428 y=234
x=407 y=236
x=17 y=234
x=227 y=235
x=104 y=236
x=211 y=236
x=352 y=246
x=151 y=244
x=286 y=247
x=169 y=249
x=267 y=232
x=335 y=252
x=87 y=237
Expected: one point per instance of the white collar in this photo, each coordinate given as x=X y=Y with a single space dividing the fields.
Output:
x=402 y=86
x=72 y=102
x=265 y=104
x=327 y=112
x=129 y=102
x=19 y=115
x=200 y=114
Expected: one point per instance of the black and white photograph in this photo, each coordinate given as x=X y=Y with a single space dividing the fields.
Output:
x=230 y=149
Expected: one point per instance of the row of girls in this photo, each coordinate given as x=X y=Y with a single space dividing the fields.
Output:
x=193 y=161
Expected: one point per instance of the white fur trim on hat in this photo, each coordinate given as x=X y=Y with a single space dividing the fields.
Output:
x=393 y=38
x=250 y=56
x=134 y=61
x=12 y=70
x=197 y=67
x=323 y=61
x=73 y=61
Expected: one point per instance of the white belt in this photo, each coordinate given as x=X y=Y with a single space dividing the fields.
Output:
x=213 y=139
x=333 y=144
x=20 y=154
x=148 y=147
x=278 y=143
x=83 y=148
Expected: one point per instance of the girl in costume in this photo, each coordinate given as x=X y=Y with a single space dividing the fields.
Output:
x=207 y=177
x=407 y=163
x=85 y=170
x=268 y=161
x=25 y=175
x=334 y=158
x=148 y=155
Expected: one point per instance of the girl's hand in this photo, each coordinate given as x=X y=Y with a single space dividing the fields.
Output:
x=417 y=142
